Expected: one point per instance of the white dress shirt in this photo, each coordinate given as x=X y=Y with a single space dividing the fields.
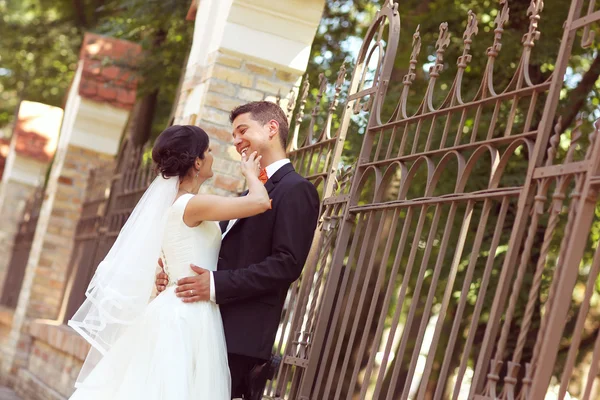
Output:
x=271 y=170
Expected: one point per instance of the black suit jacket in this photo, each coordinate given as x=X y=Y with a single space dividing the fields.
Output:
x=260 y=257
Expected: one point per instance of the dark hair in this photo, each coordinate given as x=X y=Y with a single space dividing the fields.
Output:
x=177 y=148
x=263 y=112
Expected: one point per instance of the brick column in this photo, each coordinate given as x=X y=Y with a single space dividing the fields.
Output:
x=4 y=149
x=243 y=50
x=96 y=112
x=28 y=155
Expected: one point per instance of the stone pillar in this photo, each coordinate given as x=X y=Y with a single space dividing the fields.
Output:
x=28 y=155
x=4 y=147
x=243 y=50
x=97 y=108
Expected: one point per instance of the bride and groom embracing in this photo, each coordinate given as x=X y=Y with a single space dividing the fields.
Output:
x=227 y=265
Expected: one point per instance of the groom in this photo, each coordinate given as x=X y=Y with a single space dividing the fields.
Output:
x=260 y=256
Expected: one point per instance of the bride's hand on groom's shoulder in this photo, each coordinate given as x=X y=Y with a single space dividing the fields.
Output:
x=162 y=279
x=194 y=288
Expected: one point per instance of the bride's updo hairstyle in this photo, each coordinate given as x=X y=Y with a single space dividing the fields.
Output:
x=177 y=148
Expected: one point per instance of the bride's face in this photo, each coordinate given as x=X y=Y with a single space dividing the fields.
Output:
x=206 y=171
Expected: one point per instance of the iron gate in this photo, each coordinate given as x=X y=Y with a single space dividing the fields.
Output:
x=111 y=195
x=458 y=249
x=425 y=282
x=21 y=248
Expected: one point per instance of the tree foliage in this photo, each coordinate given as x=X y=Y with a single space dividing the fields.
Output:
x=41 y=40
x=344 y=24
x=40 y=45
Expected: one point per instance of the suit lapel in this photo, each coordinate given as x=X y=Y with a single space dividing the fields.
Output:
x=223 y=225
x=269 y=185
x=281 y=172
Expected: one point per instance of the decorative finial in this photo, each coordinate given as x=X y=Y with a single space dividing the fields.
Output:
x=303 y=97
x=416 y=43
x=470 y=31
x=316 y=108
x=341 y=78
x=441 y=45
x=410 y=76
x=291 y=103
x=444 y=38
x=471 y=28
x=501 y=20
x=534 y=11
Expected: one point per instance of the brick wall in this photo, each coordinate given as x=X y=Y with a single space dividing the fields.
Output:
x=228 y=81
x=55 y=358
x=6 y=316
x=45 y=277
x=29 y=387
x=47 y=286
x=46 y=359
x=2 y=163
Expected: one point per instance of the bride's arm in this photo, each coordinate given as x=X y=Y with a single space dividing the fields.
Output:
x=206 y=207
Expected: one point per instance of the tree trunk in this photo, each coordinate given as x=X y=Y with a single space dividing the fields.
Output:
x=80 y=15
x=578 y=97
x=140 y=126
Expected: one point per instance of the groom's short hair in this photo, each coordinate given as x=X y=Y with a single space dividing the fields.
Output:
x=263 y=112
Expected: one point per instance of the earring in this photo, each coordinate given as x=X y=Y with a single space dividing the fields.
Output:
x=197 y=173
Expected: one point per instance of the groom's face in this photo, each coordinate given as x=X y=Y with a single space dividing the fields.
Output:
x=250 y=135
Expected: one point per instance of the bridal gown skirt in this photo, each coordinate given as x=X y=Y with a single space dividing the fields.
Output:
x=175 y=351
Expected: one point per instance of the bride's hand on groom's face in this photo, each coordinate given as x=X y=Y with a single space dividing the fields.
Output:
x=194 y=288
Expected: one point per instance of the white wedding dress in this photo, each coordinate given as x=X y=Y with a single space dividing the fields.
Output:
x=175 y=350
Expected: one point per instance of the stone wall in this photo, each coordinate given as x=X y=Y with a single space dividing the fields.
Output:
x=4 y=148
x=6 y=317
x=41 y=357
x=56 y=356
x=47 y=286
x=43 y=287
x=210 y=93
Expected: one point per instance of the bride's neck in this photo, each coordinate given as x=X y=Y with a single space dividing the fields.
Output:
x=188 y=186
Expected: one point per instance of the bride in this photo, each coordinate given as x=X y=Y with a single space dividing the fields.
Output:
x=165 y=349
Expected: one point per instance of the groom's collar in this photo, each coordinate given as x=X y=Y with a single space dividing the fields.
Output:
x=285 y=169
x=274 y=167
x=277 y=176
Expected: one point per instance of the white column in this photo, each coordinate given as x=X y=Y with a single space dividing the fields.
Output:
x=243 y=50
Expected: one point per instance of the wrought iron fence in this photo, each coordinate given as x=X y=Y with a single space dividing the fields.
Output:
x=457 y=255
x=21 y=249
x=427 y=281
x=112 y=193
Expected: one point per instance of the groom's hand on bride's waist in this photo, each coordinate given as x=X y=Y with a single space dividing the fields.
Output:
x=194 y=288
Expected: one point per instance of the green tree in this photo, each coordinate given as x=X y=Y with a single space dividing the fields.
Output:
x=38 y=53
x=165 y=35
x=41 y=40
x=344 y=24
